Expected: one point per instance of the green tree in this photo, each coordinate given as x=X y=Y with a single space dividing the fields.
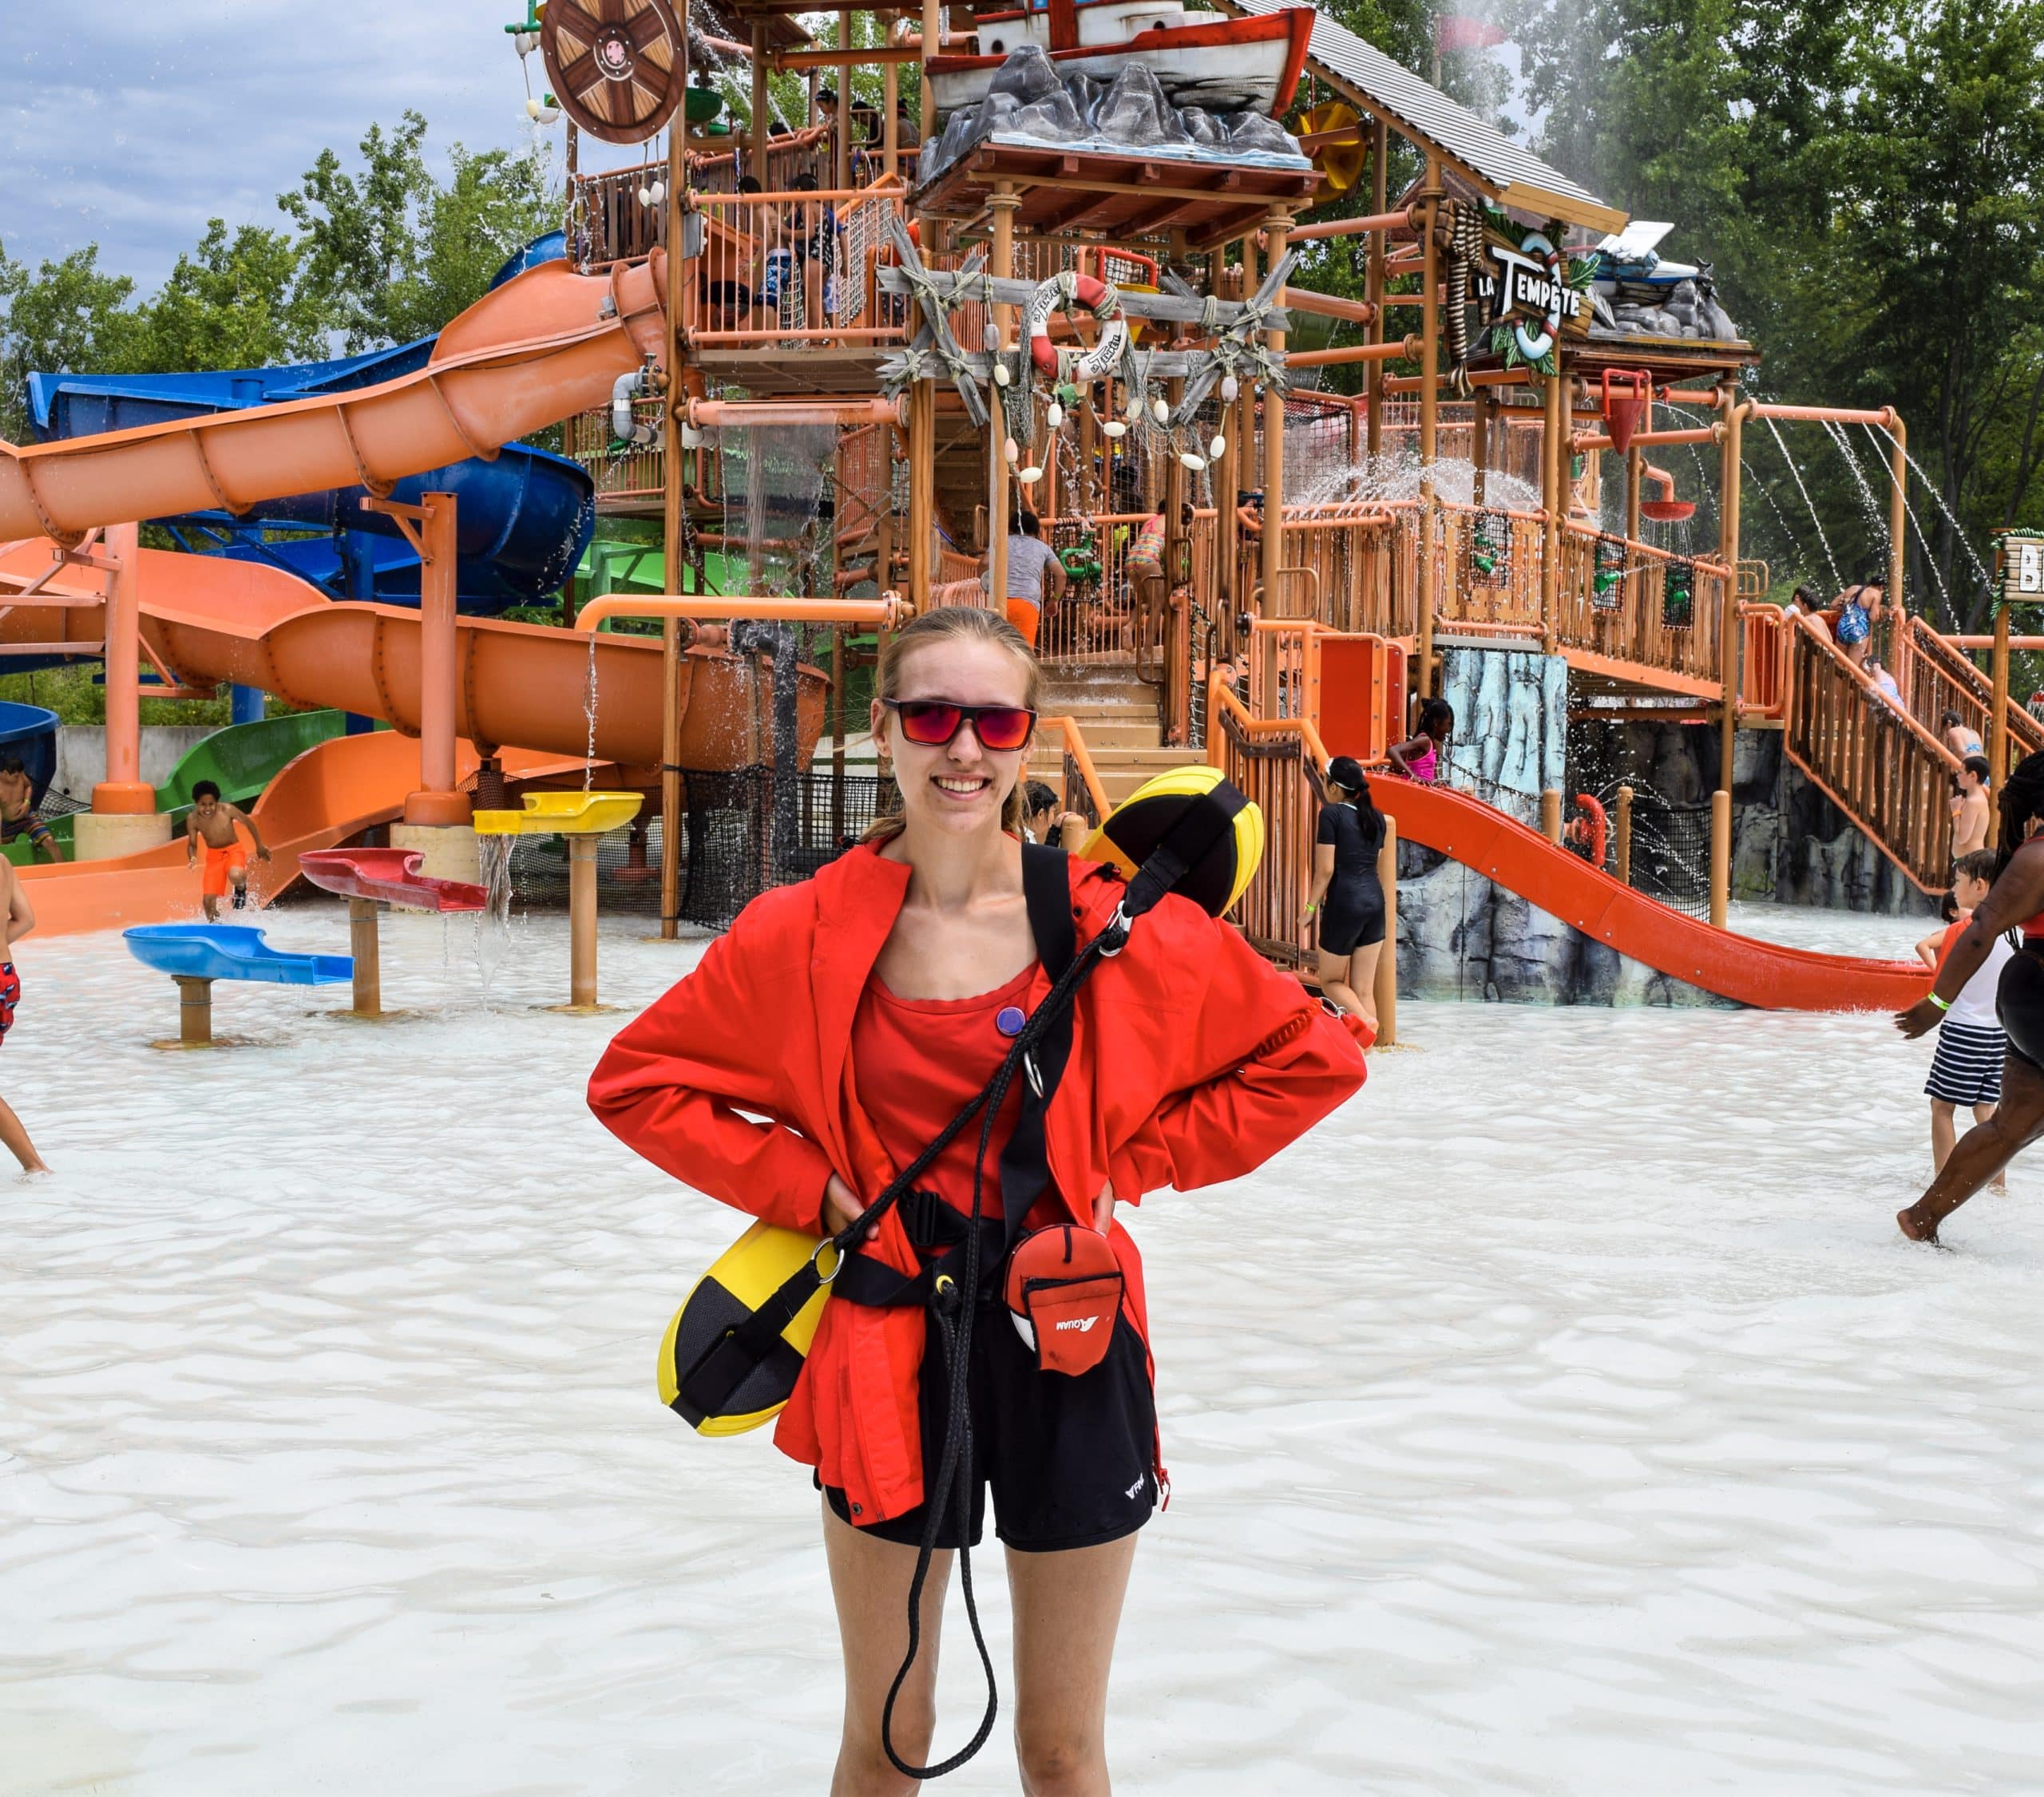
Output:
x=63 y=316
x=231 y=303
x=393 y=253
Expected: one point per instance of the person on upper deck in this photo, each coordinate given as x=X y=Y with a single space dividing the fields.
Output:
x=1418 y=757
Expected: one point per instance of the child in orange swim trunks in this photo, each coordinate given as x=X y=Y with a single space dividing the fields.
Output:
x=212 y=822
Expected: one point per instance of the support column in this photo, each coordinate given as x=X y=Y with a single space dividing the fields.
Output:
x=1373 y=279
x=1728 y=632
x=439 y=816
x=1429 y=417
x=1551 y=814
x=1721 y=857
x=1245 y=458
x=245 y=704
x=1554 y=496
x=1003 y=204
x=1635 y=467
x=582 y=922
x=890 y=104
x=1998 y=725
x=1273 y=439
x=674 y=521
x=364 y=945
x=932 y=32
x=922 y=489
x=757 y=146
x=1481 y=406
x=195 y=1012
x=123 y=818
x=1898 y=524
x=1623 y=836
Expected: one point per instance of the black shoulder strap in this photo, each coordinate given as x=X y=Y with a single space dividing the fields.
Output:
x=1046 y=889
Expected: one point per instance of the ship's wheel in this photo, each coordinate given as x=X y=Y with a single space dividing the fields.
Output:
x=614 y=65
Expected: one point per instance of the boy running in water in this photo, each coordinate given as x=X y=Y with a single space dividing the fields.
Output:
x=212 y=821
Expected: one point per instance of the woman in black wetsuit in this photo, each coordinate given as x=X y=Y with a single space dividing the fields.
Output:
x=1346 y=892
x=2014 y=901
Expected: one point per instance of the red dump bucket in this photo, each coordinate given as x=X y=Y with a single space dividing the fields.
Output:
x=1626 y=396
x=1668 y=511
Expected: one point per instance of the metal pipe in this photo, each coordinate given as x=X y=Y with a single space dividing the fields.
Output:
x=1397 y=351
x=1728 y=633
x=1429 y=217
x=1373 y=286
x=1819 y=414
x=1273 y=431
x=1624 y=836
x=1551 y=814
x=1327 y=306
x=674 y=502
x=1590 y=441
x=1400 y=220
x=884 y=613
x=1721 y=857
x=768 y=414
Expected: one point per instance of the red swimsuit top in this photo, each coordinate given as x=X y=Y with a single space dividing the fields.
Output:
x=919 y=1061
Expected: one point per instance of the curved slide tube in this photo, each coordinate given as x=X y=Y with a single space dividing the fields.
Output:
x=1565 y=886
x=521 y=685
x=543 y=347
x=329 y=794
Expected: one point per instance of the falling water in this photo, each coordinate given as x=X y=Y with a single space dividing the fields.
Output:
x=1876 y=523
x=1980 y=567
x=1760 y=487
x=1909 y=511
x=1775 y=431
x=493 y=935
x=589 y=711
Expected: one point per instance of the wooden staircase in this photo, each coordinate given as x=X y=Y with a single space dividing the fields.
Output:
x=1120 y=718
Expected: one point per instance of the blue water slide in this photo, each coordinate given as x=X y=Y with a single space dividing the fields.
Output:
x=30 y=732
x=229 y=951
x=525 y=518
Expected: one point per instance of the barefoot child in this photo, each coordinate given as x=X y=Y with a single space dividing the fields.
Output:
x=20 y=920
x=212 y=822
x=1967 y=1067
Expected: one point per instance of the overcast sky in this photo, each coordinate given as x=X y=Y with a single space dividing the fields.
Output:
x=132 y=122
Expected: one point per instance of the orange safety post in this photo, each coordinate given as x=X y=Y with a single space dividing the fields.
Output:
x=439 y=803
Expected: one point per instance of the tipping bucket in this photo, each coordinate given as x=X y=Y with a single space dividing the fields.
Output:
x=1626 y=396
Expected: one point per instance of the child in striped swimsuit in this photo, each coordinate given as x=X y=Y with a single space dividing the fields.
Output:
x=1967 y=1067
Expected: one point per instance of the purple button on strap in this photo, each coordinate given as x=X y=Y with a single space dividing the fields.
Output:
x=1010 y=1021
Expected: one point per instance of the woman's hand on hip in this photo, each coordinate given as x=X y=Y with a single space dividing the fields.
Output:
x=841 y=1206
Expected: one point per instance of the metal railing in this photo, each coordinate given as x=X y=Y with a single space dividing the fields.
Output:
x=607 y=223
x=1888 y=774
x=1936 y=677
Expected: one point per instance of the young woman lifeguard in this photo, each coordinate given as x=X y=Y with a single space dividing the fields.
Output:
x=822 y=1044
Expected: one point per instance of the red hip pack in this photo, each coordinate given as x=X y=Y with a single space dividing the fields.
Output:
x=1063 y=1291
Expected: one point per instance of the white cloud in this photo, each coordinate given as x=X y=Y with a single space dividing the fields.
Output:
x=132 y=122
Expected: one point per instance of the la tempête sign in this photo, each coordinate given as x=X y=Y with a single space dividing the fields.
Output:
x=1527 y=287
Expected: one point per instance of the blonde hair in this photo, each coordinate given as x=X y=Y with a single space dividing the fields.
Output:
x=955 y=623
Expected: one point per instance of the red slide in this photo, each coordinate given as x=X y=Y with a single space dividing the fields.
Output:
x=1564 y=885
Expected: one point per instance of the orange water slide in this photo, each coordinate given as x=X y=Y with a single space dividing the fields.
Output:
x=1564 y=885
x=329 y=794
x=537 y=349
x=523 y=685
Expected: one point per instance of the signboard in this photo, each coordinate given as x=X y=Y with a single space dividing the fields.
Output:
x=1526 y=286
x=2022 y=570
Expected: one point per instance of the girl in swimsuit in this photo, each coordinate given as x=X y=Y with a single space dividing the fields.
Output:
x=1419 y=757
x=2014 y=901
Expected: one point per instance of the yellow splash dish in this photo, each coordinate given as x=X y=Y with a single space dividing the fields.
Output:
x=562 y=814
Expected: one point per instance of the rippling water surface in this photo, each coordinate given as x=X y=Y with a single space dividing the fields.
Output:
x=1564 y=1416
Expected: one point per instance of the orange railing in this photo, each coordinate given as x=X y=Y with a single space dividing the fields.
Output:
x=1080 y=788
x=794 y=270
x=1887 y=773
x=1763 y=661
x=1276 y=763
x=607 y=222
x=1936 y=677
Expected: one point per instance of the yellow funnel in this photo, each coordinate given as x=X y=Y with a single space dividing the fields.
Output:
x=562 y=814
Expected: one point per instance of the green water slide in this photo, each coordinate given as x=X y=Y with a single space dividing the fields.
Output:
x=241 y=760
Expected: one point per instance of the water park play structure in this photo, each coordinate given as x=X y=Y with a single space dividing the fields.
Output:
x=1084 y=296
x=195 y=955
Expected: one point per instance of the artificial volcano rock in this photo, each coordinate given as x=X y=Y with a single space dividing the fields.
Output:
x=1135 y=111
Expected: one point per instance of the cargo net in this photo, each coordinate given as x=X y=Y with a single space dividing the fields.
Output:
x=729 y=855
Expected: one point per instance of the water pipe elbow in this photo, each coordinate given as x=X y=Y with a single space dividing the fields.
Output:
x=622 y=425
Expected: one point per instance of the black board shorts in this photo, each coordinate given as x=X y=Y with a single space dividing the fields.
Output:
x=1069 y=1461
x=1352 y=917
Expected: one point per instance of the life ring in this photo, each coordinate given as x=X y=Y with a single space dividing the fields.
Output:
x=1591 y=832
x=1058 y=294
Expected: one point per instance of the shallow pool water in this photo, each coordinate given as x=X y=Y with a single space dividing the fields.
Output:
x=1565 y=1415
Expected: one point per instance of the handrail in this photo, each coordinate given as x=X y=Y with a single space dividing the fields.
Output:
x=1076 y=754
x=1878 y=764
x=885 y=613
